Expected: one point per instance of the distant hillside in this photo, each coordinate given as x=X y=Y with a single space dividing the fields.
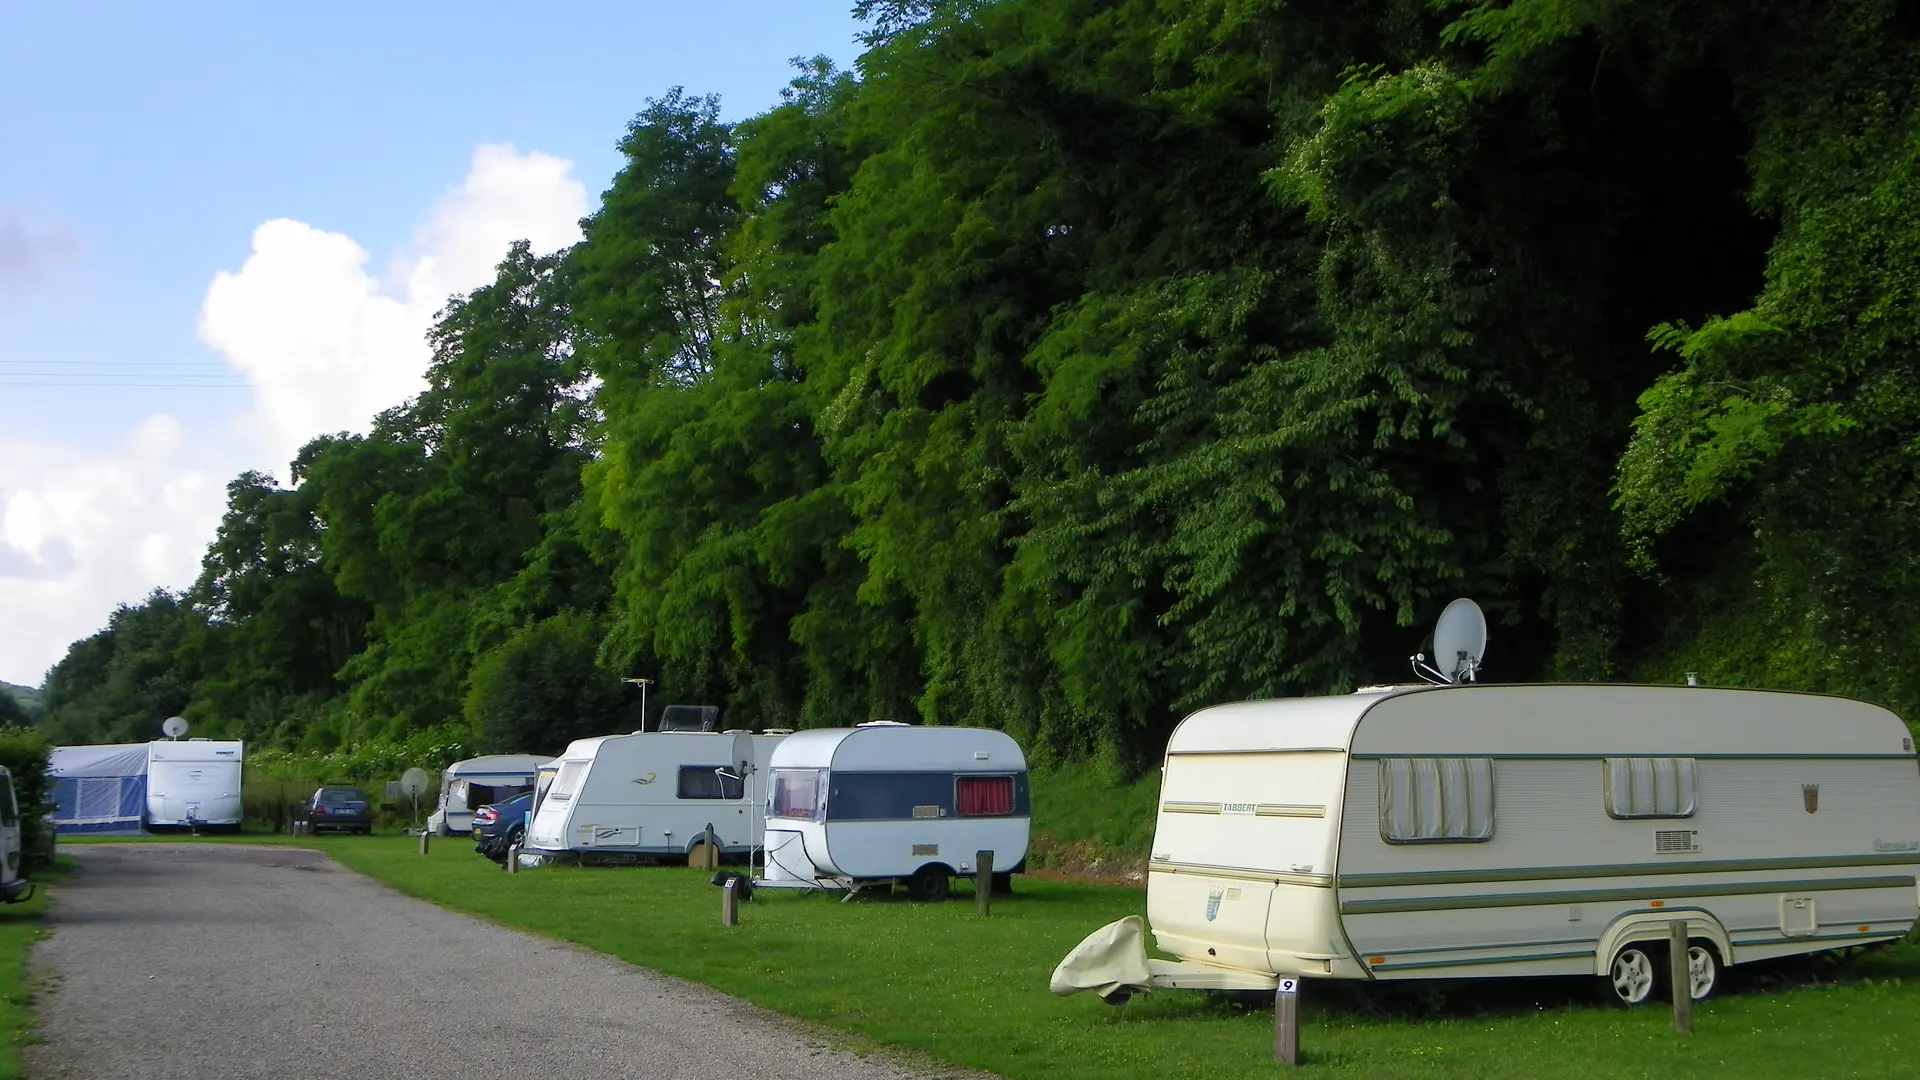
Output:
x=27 y=696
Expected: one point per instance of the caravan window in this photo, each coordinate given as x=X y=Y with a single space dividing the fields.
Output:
x=1650 y=787
x=984 y=796
x=568 y=781
x=1436 y=800
x=706 y=782
x=796 y=793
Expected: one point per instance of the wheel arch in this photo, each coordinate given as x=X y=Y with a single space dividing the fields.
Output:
x=1655 y=927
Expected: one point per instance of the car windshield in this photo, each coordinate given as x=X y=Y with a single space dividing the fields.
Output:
x=334 y=796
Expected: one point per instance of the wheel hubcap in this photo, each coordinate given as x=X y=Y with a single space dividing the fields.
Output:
x=1700 y=972
x=1632 y=976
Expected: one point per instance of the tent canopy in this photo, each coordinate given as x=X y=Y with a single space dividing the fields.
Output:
x=99 y=789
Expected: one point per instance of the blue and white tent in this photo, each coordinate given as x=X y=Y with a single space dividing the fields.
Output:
x=99 y=790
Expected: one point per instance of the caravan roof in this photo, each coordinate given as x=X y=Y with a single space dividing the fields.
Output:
x=1520 y=720
x=497 y=765
x=901 y=748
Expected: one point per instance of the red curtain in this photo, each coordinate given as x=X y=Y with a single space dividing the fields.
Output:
x=986 y=796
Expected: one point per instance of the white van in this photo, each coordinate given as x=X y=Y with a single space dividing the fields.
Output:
x=13 y=861
x=1484 y=831
x=194 y=783
x=653 y=794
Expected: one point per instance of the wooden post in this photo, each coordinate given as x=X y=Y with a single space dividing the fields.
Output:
x=423 y=841
x=1286 y=1021
x=730 y=903
x=513 y=858
x=983 y=883
x=1680 y=977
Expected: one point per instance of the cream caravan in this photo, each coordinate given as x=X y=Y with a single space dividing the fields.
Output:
x=1472 y=831
x=194 y=783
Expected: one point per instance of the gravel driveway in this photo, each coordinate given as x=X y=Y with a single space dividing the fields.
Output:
x=213 y=962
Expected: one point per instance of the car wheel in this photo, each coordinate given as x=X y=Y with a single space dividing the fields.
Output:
x=929 y=884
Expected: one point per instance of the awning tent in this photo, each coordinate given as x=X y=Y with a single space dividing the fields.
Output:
x=99 y=790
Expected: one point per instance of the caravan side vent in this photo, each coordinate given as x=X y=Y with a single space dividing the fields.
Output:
x=1675 y=841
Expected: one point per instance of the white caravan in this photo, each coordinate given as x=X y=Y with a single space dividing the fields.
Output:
x=652 y=793
x=468 y=785
x=885 y=802
x=1476 y=831
x=13 y=861
x=194 y=783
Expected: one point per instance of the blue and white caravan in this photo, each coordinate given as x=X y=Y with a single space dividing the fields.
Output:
x=99 y=790
x=194 y=783
x=1486 y=831
x=651 y=795
x=885 y=803
x=468 y=785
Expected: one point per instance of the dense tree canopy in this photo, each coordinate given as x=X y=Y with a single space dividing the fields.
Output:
x=1073 y=363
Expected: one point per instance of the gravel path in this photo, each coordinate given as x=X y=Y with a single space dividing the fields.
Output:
x=214 y=962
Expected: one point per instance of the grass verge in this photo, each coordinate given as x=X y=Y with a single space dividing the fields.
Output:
x=20 y=926
x=935 y=980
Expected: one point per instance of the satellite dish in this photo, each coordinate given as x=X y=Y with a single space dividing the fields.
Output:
x=174 y=727
x=742 y=753
x=1460 y=641
x=413 y=782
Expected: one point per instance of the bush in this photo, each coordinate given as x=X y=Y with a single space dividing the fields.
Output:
x=25 y=753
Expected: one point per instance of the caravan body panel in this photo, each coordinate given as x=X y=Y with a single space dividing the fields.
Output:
x=650 y=793
x=883 y=800
x=194 y=782
x=13 y=859
x=1476 y=831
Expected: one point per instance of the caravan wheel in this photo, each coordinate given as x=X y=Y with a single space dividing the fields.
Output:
x=1631 y=978
x=929 y=884
x=1703 y=971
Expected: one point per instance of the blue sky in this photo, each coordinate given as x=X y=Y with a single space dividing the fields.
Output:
x=144 y=145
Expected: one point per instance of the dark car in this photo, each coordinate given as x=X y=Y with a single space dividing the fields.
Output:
x=343 y=808
x=500 y=825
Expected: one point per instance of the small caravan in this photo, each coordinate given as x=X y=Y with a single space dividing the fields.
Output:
x=652 y=794
x=99 y=790
x=1476 y=831
x=885 y=802
x=194 y=783
x=13 y=860
x=468 y=785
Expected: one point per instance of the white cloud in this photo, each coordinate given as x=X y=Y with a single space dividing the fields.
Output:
x=323 y=345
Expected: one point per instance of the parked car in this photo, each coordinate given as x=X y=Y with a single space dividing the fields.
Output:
x=341 y=808
x=500 y=825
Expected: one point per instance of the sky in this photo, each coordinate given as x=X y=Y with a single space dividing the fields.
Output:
x=225 y=228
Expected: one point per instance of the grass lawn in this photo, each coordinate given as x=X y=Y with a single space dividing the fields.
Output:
x=19 y=925
x=936 y=980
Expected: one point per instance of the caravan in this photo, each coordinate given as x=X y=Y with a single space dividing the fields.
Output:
x=13 y=861
x=194 y=783
x=653 y=794
x=99 y=790
x=1477 y=831
x=885 y=802
x=469 y=785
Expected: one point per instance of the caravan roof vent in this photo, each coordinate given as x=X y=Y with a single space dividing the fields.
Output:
x=776 y=731
x=690 y=718
x=883 y=723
